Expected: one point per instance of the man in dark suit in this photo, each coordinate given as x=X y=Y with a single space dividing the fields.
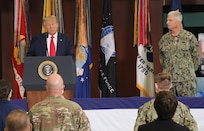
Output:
x=40 y=44
x=165 y=105
x=5 y=105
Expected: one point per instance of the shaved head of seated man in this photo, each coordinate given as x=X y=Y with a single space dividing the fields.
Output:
x=57 y=113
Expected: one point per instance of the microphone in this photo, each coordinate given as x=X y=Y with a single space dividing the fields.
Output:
x=46 y=34
x=47 y=53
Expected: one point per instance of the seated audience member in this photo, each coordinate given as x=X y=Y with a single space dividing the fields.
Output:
x=18 y=120
x=147 y=113
x=5 y=105
x=56 y=113
x=165 y=105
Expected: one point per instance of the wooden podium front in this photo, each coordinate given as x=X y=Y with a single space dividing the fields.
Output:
x=34 y=97
x=36 y=72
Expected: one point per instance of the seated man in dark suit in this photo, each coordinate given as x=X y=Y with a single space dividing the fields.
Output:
x=5 y=105
x=40 y=45
x=165 y=105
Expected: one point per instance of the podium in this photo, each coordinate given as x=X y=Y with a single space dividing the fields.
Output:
x=38 y=68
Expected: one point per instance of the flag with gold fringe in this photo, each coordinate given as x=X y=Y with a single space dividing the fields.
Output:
x=20 y=45
x=144 y=67
x=54 y=7
x=83 y=49
x=176 y=5
x=135 y=23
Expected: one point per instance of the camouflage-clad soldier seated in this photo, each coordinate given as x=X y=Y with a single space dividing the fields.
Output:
x=147 y=112
x=56 y=113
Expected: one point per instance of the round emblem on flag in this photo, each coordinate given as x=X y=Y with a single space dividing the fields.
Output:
x=46 y=68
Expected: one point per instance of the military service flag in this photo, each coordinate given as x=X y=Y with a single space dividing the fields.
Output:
x=145 y=69
x=176 y=5
x=83 y=49
x=107 y=69
x=20 y=45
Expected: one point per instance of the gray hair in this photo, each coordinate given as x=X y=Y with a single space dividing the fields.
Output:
x=177 y=15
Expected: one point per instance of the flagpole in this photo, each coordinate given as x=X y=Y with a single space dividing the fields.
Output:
x=164 y=2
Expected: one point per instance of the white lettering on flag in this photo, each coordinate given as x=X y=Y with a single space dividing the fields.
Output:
x=108 y=42
x=145 y=73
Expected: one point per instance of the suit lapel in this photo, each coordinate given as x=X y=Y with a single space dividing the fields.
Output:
x=59 y=43
x=44 y=44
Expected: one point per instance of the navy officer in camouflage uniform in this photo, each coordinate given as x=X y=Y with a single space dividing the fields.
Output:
x=56 y=113
x=179 y=55
x=147 y=112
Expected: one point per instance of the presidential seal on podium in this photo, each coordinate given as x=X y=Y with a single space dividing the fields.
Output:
x=46 y=68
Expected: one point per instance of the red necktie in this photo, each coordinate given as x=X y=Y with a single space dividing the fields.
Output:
x=52 y=47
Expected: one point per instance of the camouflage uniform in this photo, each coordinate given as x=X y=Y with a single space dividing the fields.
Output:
x=182 y=116
x=180 y=57
x=58 y=114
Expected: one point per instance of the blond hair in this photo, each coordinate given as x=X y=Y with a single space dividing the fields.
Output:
x=51 y=17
